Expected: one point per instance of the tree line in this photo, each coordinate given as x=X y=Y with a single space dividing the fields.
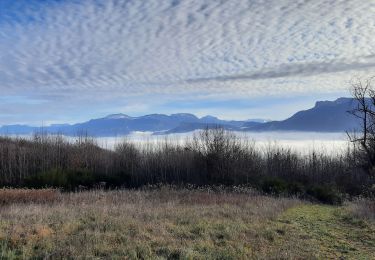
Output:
x=211 y=157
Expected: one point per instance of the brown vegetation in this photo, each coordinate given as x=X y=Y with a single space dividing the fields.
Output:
x=363 y=209
x=10 y=196
x=161 y=223
x=170 y=223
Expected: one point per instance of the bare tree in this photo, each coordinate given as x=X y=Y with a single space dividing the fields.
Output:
x=363 y=93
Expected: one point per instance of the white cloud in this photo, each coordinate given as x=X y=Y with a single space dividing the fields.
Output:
x=113 y=48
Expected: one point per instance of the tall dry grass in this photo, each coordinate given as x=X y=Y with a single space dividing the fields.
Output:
x=363 y=209
x=11 y=196
x=143 y=224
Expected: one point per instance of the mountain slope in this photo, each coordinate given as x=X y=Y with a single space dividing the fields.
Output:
x=325 y=116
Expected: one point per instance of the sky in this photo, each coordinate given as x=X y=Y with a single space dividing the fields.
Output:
x=72 y=60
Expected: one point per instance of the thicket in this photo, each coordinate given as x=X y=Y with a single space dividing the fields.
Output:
x=212 y=157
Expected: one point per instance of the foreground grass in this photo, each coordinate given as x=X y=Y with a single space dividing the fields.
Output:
x=324 y=232
x=170 y=224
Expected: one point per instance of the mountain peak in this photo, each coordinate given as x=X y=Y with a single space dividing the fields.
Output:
x=343 y=100
x=186 y=115
x=208 y=117
x=118 y=116
x=339 y=101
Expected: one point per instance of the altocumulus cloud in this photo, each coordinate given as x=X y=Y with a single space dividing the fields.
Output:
x=100 y=48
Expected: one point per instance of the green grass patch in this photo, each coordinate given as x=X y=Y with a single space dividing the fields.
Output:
x=326 y=232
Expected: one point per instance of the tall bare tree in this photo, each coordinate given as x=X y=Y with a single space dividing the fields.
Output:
x=363 y=93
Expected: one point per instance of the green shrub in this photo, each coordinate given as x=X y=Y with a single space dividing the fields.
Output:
x=296 y=188
x=274 y=186
x=80 y=177
x=120 y=179
x=321 y=193
x=58 y=178
x=279 y=186
x=53 y=178
x=326 y=194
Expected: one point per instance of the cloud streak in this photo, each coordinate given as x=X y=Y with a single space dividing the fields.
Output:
x=295 y=70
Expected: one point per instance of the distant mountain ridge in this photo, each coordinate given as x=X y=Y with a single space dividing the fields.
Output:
x=121 y=124
x=325 y=116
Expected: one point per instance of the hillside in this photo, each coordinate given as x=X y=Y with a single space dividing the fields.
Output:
x=325 y=116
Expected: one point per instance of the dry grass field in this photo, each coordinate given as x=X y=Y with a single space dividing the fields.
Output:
x=179 y=224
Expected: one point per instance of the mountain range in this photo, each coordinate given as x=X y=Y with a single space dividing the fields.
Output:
x=325 y=116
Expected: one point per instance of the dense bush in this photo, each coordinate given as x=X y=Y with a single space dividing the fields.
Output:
x=275 y=186
x=66 y=179
x=326 y=194
x=321 y=193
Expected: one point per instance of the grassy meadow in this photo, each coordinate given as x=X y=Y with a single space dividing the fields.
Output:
x=214 y=197
x=168 y=223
